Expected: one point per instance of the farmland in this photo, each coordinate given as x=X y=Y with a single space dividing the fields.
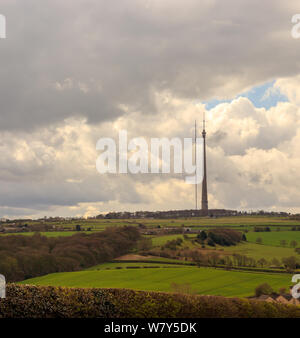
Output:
x=149 y=267
x=203 y=280
x=265 y=250
x=49 y=233
x=258 y=251
x=274 y=238
x=243 y=222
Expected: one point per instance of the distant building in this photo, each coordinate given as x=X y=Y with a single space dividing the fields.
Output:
x=267 y=298
x=275 y=298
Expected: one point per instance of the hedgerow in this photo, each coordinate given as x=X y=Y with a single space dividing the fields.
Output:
x=27 y=301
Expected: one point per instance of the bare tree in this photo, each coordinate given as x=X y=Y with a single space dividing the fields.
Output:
x=293 y=244
x=283 y=242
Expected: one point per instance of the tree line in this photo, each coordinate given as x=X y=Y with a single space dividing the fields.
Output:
x=23 y=257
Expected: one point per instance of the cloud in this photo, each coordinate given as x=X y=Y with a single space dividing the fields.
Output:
x=72 y=72
x=289 y=86
x=252 y=161
x=89 y=57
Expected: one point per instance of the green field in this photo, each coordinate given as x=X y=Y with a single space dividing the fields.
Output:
x=267 y=250
x=260 y=251
x=50 y=233
x=273 y=238
x=235 y=221
x=159 y=275
x=203 y=280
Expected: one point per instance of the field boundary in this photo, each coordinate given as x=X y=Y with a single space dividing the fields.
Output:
x=223 y=267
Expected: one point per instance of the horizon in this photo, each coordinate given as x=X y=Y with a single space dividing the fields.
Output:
x=104 y=213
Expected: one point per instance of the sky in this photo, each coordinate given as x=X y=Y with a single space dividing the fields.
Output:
x=72 y=72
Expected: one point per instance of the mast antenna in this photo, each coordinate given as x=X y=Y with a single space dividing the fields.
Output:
x=196 y=185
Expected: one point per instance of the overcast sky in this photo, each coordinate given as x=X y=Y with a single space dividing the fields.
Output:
x=74 y=71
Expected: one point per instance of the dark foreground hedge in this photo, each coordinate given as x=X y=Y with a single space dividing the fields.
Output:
x=48 y=302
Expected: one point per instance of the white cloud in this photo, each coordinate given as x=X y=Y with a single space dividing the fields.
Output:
x=253 y=161
x=290 y=86
x=76 y=71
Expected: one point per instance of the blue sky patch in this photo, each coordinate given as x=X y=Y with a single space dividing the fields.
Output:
x=262 y=96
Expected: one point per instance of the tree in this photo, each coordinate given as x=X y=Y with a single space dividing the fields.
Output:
x=258 y=240
x=23 y=257
x=262 y=262
x=283 y=242
x=263 y=289
x=293 y=244
x=275 y=262
x=244 y=238
x=78 y=227
x=145 y=244
x=210 y=242
x=290 y=263
x=202 y=236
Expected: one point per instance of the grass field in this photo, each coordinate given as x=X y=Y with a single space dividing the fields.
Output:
x=261 y=251
x=237 y=221
x=203 y=280
x=273 y=238
x=267 y=250
x=50 y=233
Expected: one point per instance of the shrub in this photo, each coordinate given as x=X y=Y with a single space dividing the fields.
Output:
x=263 y=289
x=258 y=240
x=202 y=236
x=24 y=301
x=225 y=237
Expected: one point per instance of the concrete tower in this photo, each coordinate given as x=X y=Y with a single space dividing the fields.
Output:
x=204 y=203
